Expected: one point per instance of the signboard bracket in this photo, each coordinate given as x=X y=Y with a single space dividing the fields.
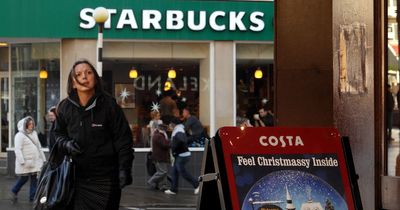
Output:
x=353 y=176
x=208 y=177
x=210 y=182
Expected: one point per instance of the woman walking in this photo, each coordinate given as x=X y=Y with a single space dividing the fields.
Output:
x=91 y=127
x=29 y=157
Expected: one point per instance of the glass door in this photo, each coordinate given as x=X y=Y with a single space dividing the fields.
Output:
x=392 y=92
x=4 y=111
x=4 y=98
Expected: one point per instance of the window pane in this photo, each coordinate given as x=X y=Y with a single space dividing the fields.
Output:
x=31 y=95
x=392 y=92
x=140 y=81
x=254 y=85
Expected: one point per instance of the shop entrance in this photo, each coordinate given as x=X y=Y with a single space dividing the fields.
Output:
x=4 y=109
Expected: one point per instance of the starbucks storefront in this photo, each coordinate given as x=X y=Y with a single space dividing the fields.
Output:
x=214 y=47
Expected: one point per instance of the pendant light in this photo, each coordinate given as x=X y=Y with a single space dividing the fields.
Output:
x=258 y=74
x=43 y=73
x=167 y=85
x=172 y=73
x=133 y=73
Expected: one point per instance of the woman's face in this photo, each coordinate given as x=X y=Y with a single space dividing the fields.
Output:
x=84 y=79
x=29 y=125
x=157 y=116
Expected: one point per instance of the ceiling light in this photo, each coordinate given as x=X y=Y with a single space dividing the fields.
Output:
x=172 y=73
x=133 y=73
x=258 y=74
x=43 y=73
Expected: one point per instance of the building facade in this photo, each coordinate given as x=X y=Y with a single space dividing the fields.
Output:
x=324 y=63
x=214 y=48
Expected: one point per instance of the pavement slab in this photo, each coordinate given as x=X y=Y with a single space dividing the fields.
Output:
x=133 y=198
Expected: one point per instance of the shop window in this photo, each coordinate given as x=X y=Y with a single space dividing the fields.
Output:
x=254 y=85
x=392 y=94
x=151 y=90
x=32 y=95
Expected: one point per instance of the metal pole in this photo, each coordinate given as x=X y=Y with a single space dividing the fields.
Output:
x=100 y=50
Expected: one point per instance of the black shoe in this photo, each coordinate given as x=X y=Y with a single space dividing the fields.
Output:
x=151 y=186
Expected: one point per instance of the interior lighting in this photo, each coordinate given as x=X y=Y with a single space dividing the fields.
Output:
x=167 y=85
x=258 y=74
x=43 y=73
x=133 y=73
x=172 y=73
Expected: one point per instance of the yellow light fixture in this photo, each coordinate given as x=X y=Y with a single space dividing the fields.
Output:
x=167 y=85
x=43 y=73
x=133 y=73
x=172 y=73
x=3 y=44
x=258 y=74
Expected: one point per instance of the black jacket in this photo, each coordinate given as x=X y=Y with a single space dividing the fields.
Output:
x=179 y=144
x=102 y=132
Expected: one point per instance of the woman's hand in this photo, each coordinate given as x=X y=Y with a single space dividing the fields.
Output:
x=72 y=148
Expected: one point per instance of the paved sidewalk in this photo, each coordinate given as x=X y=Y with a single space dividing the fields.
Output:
x=134 y=198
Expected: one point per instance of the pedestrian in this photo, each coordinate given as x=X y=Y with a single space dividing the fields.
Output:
x=264 y=118
x=160 y=157
x=181 y=153
x=154 y=122
x=92 y=128
x=194 y=129
x=389 y=112
x=29 y=157
x=51 y=116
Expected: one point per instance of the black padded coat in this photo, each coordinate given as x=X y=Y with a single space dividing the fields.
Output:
x=102 y=132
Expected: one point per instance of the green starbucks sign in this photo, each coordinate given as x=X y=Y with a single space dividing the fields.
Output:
x=140 y=19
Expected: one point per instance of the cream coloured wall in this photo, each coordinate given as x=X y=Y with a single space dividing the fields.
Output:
x=224 y=70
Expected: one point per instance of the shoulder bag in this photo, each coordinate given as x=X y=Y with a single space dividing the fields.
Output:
x=56 y=182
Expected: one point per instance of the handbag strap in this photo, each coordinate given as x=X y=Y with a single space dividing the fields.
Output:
x=37 y=147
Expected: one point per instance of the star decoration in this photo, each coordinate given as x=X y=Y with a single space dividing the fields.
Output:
x=155 y=106
x=124 y=94
x=264 y=100
x=158 y=92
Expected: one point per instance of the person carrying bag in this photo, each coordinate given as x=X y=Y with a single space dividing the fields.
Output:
x=29 y=158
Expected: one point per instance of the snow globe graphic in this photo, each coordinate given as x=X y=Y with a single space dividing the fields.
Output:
x=290 y=189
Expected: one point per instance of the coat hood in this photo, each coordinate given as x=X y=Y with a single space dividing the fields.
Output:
x=22 y=124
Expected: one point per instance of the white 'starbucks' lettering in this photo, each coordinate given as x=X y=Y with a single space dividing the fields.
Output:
x=177 y=20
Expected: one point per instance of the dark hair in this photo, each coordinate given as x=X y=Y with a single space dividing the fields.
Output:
x=175 y=121
x=70 y=85
x=162 y=127
x=52 y=109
